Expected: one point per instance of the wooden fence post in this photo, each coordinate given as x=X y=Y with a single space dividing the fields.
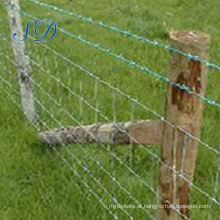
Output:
x=184 y=110
x=22 y=61
x=131 y=132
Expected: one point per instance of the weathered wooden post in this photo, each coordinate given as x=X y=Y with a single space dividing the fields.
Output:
x=184 y=110
x=22 y=61
x=133 y=132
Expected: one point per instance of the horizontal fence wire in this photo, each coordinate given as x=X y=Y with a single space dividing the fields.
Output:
x=127 y=33
x=145 y=69
x=114 y=179
x=153 y=112
x=211 y=148
x=155 y=156
x=61 y=125
x=99 y=164
x=151 y=153
x=131 y=63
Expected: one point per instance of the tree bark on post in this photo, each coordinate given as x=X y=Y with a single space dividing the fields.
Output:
x=132 y=132
x=184 y=110
x=22 y=61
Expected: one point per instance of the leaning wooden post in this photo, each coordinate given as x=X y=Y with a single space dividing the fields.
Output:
x=22 y=61
x=184 y=110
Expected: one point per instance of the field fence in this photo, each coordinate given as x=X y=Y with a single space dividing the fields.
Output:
x=67 y=94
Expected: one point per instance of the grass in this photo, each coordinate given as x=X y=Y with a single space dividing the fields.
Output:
x=41 y=183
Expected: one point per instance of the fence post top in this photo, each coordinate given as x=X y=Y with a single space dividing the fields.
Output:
x=196 y=39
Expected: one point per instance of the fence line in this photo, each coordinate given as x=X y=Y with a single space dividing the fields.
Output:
x=115 y=217
x=105 y=117
x=127 y=33
x=155 y=113
x=132 y=63
x=94 y=76
x=211 y=148
x=98 y=163
x=115 y=89
x=179 y=174
x=113 y=178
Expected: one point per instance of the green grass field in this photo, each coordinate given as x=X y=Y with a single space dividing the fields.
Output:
x=63 y=183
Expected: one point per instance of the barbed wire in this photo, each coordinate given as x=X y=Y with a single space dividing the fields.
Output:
x=155 y=156
x=120 y=92
x=152 y=154
x=127 y=33
x=144 y=106
x=121 y=162
x=81 y=125
x=60 y=124
x=181 y=175
x=114 y=199
x=131 y=63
